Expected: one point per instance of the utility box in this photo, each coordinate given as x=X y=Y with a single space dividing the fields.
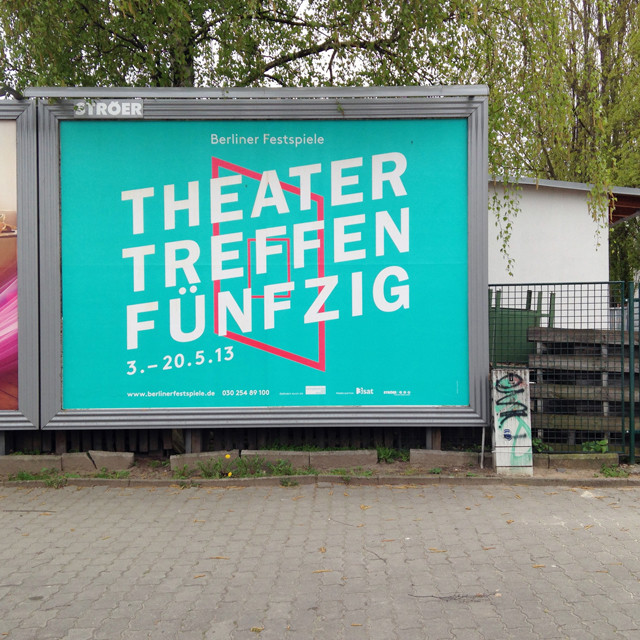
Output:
x=511 y=411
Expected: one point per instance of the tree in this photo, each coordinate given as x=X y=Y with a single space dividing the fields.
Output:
x=564 y=98
x=563 y=74
x=228 y=43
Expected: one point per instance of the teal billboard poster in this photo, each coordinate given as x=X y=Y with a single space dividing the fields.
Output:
x=264 y=263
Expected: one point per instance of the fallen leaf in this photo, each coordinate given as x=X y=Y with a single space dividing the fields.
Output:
x=509 y=521
x=360 y=525
x=539 y=566
x=199 y=520
x=364 y=507
x=106 y=537
x=257 y=629
x=200 y=575
x=322 y=550
x=588 y=526
x=323 y=571
x=297 y=497
x=488 y=496
x=46 y=513
x=517 y=496
x=355 y=624
x=218 y=558
x=487 y=548
x=551 y=493
x=434 y=550
x=345 y=494
x=468 y=508
x=389 y=540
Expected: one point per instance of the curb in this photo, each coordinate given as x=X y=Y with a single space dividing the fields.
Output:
x=325 y=481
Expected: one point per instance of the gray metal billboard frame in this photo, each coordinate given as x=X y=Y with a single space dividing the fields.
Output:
x=26 y=417
x=469 y=103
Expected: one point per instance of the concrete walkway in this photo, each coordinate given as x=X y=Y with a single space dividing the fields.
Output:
x=324 y=561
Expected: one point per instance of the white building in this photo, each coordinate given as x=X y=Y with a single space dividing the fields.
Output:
x=554 y=239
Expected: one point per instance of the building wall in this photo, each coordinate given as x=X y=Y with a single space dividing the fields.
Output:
x=554 y=239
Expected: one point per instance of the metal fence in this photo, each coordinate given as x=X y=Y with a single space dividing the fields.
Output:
x=574 y=339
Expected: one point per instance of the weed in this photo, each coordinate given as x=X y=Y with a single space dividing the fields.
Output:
x=280 y=468
x=613 y=472
x=51 y=477
x=389 y=454
x=211 y=468
x=182 y=472
x=471 y=475
x=289 y=482
x=596 y=446
x=435 y=470
x=249 y=467
x=187 y=484
x=540 y=447
x=55 y=482
x=156 y=464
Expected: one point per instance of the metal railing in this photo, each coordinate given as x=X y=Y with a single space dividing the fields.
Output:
x=575 y=340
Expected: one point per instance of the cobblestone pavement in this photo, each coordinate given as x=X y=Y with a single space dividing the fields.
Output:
x=325 y=561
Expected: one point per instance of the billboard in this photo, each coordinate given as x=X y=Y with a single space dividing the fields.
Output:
x=19 y=392
x=8 y=268
x=249 y=260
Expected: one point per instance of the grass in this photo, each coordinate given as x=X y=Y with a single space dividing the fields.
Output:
x=51 y=477
x=389 y=454
x=251 y=467
x=348 y=474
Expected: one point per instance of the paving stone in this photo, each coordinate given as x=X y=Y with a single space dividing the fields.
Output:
x=130 y=563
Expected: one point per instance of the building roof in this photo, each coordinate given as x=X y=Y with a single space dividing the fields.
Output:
x=624 y=203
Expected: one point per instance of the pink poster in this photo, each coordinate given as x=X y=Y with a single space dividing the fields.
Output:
x=8 y=269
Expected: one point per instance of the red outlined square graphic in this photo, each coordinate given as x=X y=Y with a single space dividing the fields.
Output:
x=320 y=363
x=286 y=241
